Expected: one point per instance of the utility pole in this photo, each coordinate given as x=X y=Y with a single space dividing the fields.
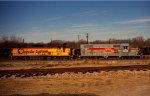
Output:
x=50 y=44
x=87 y=37
x=78 y=37
x=22 y=45
x=51 y=40
x=109 y=40
x=77 y=46
x=23 y=41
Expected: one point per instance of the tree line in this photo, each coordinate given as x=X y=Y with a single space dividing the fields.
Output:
x=12 y=41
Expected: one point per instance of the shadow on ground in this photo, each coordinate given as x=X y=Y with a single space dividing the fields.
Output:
x=61 y=94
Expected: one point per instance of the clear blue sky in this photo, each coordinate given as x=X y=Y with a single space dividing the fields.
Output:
x=63 y=20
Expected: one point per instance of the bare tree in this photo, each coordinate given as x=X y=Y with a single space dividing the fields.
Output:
x=138 y=41
x=9 y=42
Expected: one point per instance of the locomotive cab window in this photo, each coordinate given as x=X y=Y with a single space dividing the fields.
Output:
x=125 y=47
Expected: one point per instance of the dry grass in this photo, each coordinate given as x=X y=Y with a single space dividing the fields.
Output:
x=122 y=83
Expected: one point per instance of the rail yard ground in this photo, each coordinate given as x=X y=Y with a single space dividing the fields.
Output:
x=34 y=64
x=112 y=83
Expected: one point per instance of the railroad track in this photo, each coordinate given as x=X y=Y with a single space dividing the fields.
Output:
x=39 y=72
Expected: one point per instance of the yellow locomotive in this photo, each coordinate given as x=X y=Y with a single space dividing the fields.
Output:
x=41 y=53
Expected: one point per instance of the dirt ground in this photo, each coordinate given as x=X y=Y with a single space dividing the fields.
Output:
x=22 y=64
x=121 y=83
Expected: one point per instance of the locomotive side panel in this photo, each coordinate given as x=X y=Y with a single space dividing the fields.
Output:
x=108 y=50
x=99 y=50
x=41 y=52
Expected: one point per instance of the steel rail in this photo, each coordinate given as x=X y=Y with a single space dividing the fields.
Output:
x=36 y=72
